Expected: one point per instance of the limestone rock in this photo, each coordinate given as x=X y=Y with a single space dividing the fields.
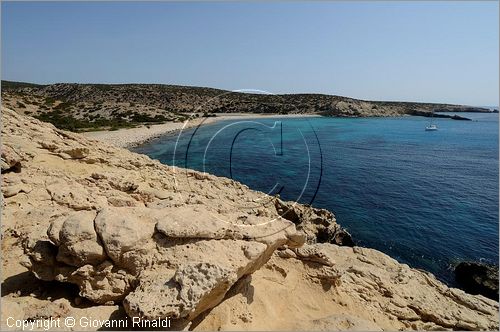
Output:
x=71 y=194
x=43 y=261
x=318 y=225
x=192 y=289
x=362 y=289
x=314 y=253
x=10 y=159
x=328 y=274
x=54 y=230
x=77 y=152
x=188 y=222
x=79 y=244
x=137 y=240
x=123 y=231
x=9 y=191
x=102 y=283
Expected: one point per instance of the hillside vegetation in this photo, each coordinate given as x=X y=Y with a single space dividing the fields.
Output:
x=83 y=107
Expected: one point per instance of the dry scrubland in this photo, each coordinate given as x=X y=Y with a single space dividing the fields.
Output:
x=90 y=229
x=85 y=107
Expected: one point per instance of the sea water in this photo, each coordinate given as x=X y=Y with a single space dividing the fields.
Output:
x=428 y=199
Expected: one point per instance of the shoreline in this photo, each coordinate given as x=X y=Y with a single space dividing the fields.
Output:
x=132 y=137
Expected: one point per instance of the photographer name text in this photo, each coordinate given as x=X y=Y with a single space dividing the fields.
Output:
x=84 y=323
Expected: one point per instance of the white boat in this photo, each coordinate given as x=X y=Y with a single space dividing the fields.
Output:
x=431 y=126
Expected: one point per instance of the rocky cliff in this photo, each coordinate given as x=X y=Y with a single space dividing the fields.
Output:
x=87 y=106
x=89 y=229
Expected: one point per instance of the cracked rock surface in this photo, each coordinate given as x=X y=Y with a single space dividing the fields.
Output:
x=111 y=233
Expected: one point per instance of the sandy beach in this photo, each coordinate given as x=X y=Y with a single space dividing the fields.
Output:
x=130 y=137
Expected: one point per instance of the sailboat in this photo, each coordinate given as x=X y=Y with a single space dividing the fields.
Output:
x=431 y=126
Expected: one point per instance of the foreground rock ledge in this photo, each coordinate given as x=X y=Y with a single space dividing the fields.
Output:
x=150 y=241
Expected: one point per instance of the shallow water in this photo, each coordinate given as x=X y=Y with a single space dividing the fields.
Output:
x=428 y=199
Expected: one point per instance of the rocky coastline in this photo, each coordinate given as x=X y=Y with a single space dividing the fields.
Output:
x=90 y=229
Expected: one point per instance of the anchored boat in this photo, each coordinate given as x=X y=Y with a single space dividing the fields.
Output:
x=431 y=126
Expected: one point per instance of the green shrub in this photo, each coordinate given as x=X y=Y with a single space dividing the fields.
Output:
x=68 y=122
x=137 y=117
x=64 y=106
x=49 y=101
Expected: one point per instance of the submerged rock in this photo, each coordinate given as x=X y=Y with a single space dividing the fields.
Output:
x=478 y=278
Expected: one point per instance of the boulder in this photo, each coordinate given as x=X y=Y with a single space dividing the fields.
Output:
x=192 y=289
x=77 y=239
x=170 y=262
x=125 y=233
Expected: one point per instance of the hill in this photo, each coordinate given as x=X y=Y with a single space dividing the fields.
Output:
x=83 y=107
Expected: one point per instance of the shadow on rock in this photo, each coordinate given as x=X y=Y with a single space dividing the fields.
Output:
x=26 y=284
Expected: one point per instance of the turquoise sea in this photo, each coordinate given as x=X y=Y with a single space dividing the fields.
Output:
x=428 y=199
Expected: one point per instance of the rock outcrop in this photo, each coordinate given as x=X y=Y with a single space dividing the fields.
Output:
x=140 y=239
x=325 y=287
x=319 y=225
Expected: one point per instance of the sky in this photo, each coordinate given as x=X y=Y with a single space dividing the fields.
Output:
x=411 y=51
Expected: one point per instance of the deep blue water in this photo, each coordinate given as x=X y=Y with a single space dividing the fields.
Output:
x=428 y=199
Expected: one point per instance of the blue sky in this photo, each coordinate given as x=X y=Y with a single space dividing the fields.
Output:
x=415 y=51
